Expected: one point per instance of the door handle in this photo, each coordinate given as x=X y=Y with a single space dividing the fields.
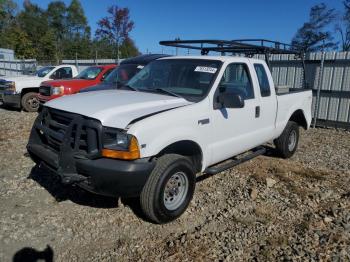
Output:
x=257 y=111
x=203 y=121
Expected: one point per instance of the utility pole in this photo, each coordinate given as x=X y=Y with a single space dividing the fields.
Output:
x=320 y=83
x=177 y=49
x=76 y=59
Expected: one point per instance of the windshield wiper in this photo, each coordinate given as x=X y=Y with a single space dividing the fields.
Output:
x=127 y=86
x=164 y=91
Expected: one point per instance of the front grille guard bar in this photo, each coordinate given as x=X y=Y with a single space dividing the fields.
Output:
x=69 y=145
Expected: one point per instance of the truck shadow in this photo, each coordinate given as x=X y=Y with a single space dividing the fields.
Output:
x=29 y=254
x=271 y=151
x=2 y=106
x=61 y=192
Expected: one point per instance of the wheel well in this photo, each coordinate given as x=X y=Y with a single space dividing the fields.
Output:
x=186 y=148
x=29 y=89
x=299 y=117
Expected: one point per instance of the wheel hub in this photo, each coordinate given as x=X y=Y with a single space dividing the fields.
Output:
x=33 y=102
x=175 y=190
x=292 y=140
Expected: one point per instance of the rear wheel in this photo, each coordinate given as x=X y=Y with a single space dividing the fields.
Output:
x=287 y=143
x=30 y=102
x=169 y=189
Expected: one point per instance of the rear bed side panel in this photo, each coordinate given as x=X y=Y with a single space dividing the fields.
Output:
x=290 y=103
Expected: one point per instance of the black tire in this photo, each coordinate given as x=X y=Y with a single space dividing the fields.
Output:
x=152 y=196
x=285 y=148
x=30 y=102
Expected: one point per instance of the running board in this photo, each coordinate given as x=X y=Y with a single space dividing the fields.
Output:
x=234 y=162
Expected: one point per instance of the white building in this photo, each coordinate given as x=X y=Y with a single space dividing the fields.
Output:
x=7 y=54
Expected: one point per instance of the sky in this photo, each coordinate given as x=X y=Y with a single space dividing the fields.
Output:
x=157 y=20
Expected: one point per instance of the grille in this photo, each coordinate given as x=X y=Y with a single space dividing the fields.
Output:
x=60 y=129
x=3 y=85
x=45 y=90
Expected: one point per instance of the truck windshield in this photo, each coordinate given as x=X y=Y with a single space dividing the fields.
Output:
x=188 y=78
x=122 y=74
x=89 y=73
x=44 y=71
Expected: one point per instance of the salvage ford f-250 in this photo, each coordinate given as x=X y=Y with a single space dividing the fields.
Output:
x=181 y=116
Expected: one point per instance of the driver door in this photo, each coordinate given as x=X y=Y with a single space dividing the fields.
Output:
x=234 y=130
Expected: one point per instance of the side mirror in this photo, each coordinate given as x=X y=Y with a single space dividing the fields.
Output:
x=229 y=100
x=52 y=76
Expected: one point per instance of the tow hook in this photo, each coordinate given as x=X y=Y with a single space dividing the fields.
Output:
x=69 y=179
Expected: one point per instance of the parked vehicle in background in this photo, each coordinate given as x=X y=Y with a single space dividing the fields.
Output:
x=181 y=116
x=89 y=77
x=22 y=91
x=124 y=72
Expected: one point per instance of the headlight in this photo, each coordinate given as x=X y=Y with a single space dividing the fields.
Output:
x=118 y=144
x=11 y=86
x=57 y=90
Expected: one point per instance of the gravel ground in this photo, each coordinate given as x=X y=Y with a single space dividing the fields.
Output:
x=263 y=210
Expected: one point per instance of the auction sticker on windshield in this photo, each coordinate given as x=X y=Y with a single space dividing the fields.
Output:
x=206 y=69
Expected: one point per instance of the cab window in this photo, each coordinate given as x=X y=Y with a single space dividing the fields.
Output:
x=236 y=80
x=61 y=73
x=106 y=74
x=263 y=80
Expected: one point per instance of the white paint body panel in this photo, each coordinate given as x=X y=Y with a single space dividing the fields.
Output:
x=116 y=108
x=30 y=81
x=228 y=133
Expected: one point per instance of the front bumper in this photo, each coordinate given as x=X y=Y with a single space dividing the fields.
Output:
x=109 y=177
x=104 y=176
x=11 y=99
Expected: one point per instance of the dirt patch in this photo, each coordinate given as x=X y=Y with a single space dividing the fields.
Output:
x=263 y=210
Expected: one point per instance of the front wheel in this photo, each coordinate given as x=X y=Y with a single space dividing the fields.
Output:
x=169 y=189
x=287 y=143
x=30 y=102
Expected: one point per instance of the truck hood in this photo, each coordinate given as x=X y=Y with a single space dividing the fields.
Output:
x=22 y=78
x=24 y=81
x=116 y=108
x=66 y=82
x=100 y=87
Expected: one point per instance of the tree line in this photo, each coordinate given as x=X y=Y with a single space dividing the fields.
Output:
x=62 y=32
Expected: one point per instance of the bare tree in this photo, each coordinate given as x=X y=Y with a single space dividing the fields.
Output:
x=313 y=35
x=343 y=27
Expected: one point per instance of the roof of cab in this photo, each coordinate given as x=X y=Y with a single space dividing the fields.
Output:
x=217 y=58
x=143 y=59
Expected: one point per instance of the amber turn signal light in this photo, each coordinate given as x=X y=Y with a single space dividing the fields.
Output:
x=132 y=154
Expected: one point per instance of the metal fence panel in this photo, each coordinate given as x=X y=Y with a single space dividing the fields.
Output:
x=333 y=80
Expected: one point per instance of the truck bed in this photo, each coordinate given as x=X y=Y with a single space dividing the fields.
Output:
x=288 y=103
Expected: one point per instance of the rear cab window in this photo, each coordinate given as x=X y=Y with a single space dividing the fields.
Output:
x=264 y=84
x=62 y=73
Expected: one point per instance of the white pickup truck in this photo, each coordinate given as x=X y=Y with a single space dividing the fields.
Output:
x=178 y=117
x=22 y=91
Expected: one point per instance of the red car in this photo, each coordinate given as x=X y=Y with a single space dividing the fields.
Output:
x=91 y=76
